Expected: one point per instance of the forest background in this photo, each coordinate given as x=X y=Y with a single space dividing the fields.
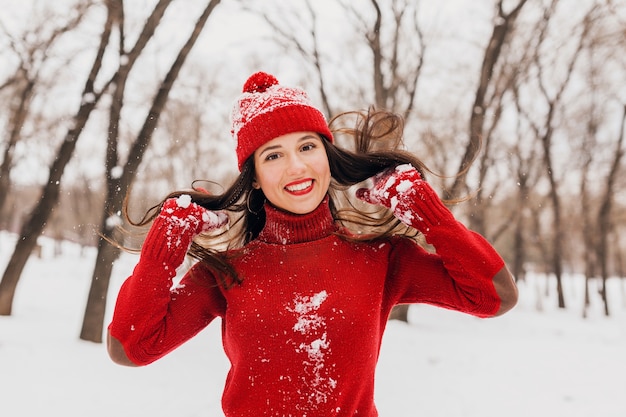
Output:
x=519 y=104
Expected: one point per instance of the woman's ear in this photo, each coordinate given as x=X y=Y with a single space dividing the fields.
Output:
x=255 y=185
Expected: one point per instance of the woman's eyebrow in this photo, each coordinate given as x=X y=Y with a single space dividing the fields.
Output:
x=270 y=148
x=308 y=137
x=303 y=138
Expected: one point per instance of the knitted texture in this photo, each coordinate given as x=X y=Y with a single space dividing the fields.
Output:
x=466 y=254
x=287 y=228
x=267 y=110
x=303 y=331
x=173 y=229
x=143 y=300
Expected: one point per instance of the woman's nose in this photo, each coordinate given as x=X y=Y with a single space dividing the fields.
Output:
x=296 y=164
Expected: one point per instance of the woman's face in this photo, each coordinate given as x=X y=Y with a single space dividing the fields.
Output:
x=293 y=172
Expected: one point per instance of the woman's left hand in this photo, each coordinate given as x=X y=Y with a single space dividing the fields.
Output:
x=408 y=196
x=388 y=184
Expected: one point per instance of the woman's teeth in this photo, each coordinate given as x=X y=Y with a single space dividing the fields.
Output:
x=299 y=187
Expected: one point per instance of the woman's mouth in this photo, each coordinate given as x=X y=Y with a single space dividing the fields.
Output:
x=300 y=187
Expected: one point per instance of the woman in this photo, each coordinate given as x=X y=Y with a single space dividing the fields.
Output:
x=304 y=281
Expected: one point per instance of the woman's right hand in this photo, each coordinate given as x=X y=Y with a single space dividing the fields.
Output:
x=172 y=231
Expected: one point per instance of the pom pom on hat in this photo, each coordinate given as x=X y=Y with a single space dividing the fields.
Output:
x=259 y=82
x=266 y=110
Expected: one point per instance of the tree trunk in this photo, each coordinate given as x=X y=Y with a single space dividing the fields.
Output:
x=96 y=304
x=16 y=121
x=604 y=216
x=93 y=321
x=11 y=277
x=588 y=231
x=557 y=227
x=519 y=241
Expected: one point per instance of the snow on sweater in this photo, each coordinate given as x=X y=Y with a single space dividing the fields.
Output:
x=303 y=331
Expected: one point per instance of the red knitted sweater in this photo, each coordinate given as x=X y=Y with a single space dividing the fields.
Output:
x=303 y=330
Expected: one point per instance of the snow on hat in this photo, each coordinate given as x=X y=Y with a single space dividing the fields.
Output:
x=267 y=110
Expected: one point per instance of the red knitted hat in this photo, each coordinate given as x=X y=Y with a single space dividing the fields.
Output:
x=267 y=110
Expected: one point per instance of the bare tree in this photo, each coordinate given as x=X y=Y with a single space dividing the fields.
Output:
x=188 y=132
x=32 y=50
x=396 y=47
x=119 y=183
x=38 y=217
x=592 y=114
x=289 y=38
x=604 y=214
x=397 y=63
x=504 y=24
x=545 y=133
x=526 y=171
x=526 y=168
x=588 y=229
x=482 y=198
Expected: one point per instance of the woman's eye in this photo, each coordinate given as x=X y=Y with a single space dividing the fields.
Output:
x=308 y=147
x=271 y=157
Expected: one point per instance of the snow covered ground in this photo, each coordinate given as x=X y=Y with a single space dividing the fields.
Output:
x=526 y=363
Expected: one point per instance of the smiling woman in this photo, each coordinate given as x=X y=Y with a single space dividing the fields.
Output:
x=303 y=281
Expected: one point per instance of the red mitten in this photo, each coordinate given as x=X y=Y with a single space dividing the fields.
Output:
x=401 y=189
x=173 y=229
x=470 y=260
x=142 y=302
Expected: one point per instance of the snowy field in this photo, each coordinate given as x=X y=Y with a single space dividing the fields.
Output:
x=442 y=364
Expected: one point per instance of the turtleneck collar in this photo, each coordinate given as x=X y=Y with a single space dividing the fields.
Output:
x=282 y=227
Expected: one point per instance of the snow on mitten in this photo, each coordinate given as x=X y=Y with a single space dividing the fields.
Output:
x=408 y=196
x=174 y=228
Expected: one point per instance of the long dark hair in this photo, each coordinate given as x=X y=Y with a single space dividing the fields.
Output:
x=376 y=145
